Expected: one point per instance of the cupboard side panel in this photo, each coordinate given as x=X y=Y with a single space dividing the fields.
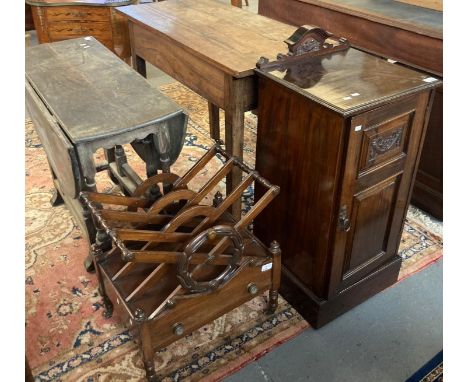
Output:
x=299 y=148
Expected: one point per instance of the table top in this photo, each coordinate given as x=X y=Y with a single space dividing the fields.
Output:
x=98 y=3
x=390 y=12
x=91 y=92
x=228 y=37
x=352 y=81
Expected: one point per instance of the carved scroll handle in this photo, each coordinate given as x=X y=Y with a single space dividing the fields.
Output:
x=220 y=231
x=307 y=38
x=306 y=42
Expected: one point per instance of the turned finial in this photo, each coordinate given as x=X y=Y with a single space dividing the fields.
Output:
x=139 y=314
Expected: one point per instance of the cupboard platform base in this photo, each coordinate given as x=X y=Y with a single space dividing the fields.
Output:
x=318 y=312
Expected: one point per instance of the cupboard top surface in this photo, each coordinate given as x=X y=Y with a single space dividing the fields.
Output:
x=351 y=81
x=91 y=92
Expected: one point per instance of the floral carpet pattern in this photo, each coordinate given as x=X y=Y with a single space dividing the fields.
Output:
x=67 y=339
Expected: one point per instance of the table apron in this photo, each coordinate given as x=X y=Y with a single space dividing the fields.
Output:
x=201 y=76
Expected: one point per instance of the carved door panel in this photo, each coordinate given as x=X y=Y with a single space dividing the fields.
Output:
x=377 y=178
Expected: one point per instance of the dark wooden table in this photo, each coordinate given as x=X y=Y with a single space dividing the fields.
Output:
x=81 y=98
x=212 y=48
x=406 y=33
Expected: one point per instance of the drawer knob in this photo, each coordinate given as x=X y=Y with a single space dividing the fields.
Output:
x=252 y=288
x=178 y=329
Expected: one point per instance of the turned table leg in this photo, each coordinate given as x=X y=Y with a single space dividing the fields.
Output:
x=213 y=114
x=90 y=227
x=234 y=127
x=88 y=222
x=234 y=130
x=275 y=250
x=88 y=170
x=110 y=158
x=146 y=149
x=234 y=144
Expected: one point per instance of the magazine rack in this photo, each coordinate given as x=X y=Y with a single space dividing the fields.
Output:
x=173 y=265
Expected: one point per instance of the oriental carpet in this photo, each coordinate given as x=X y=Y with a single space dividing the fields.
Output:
x=67 y=339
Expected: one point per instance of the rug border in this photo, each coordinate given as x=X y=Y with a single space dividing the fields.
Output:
x=425 y=264
x=260 y=351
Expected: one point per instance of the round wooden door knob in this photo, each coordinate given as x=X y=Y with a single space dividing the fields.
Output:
x=252 y=288
x=178 y=329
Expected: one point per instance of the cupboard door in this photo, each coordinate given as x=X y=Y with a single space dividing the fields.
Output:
x=378 y=175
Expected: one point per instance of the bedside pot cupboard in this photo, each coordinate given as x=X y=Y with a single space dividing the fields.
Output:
x=341 y=135
x=409 y=34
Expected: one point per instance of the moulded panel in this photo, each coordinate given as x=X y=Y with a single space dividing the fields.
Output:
x=384 y=142
x=371 y=222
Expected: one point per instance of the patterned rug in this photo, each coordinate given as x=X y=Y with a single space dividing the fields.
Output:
x=67 y=339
